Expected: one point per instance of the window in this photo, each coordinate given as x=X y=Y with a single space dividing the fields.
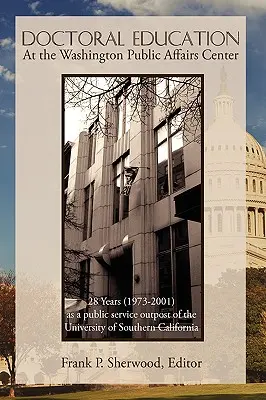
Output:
x=239 y=223
x=261 y=222
x=88 y=211
x=91 y=209
x=254 y=185
x=249 y=222
x=261 y=187
x=92 y=137
x=66 y=165
x=164 y=265
x=209 y=223
x=219 y=183
x=65 y=203
x=162 y=162
x=120 y=115
x=246 y=184
x=230 y=216
x=219 y=222
x=174 y=266
x=121 y=202
x=123 y=108
x=177 y=156
x=237 y=183
x=84 y=279
x=170 y=157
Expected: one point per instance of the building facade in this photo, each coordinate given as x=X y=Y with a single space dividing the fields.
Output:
x=145 y=242
x=256 y=203
x=229 y=151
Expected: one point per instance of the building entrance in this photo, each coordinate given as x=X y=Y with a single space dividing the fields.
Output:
x=121 y=287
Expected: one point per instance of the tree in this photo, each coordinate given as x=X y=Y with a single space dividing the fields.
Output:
x=4 y=377
x=7 y=324
x=72 y=255
x=226 y=300
x=92 y=93
x=50 y=366
x=256 y=324
x=35 y=298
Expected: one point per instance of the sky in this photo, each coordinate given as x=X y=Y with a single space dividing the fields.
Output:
x=255 y=10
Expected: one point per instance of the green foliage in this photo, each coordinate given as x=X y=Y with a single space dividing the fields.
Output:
x=256 y=325
x=4 y=377
x=7 y=323
x=199 y=392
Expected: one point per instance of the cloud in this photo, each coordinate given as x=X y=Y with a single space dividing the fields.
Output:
x=142 y=7
x=6 y=74
x=34 y=7
x=3 y=146
x=6 y=113
x=99 y=11
x=260 y=123
x=171 y=7
x=4 y=21
x=7 y=43
x=4 y=93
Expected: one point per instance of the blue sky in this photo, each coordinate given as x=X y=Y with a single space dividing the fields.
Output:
x=255 y=10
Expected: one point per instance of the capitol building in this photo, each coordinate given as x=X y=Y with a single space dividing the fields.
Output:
x=235 y=192
x=256 y=203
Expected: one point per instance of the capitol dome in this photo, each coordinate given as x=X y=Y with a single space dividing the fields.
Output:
x=256 y=202
x=254 y=152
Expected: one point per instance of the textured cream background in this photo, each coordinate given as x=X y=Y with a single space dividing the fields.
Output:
x=38 y=211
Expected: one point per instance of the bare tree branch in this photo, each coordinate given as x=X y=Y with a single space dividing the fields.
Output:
x=73 y=256
x=93 y=93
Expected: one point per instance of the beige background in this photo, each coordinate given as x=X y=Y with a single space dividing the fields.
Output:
x=38 y=209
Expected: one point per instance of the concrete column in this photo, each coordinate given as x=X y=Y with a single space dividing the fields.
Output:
x=249 y=214
x=235 y=219
x=264 y=222
x=259 y=229
x=256 y=230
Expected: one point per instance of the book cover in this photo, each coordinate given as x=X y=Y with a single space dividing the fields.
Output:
x=131 y=186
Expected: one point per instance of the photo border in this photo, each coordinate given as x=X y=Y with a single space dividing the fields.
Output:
x=202 y=295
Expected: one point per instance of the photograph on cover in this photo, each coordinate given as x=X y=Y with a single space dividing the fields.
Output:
x=153 y=255
x=132 y=180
